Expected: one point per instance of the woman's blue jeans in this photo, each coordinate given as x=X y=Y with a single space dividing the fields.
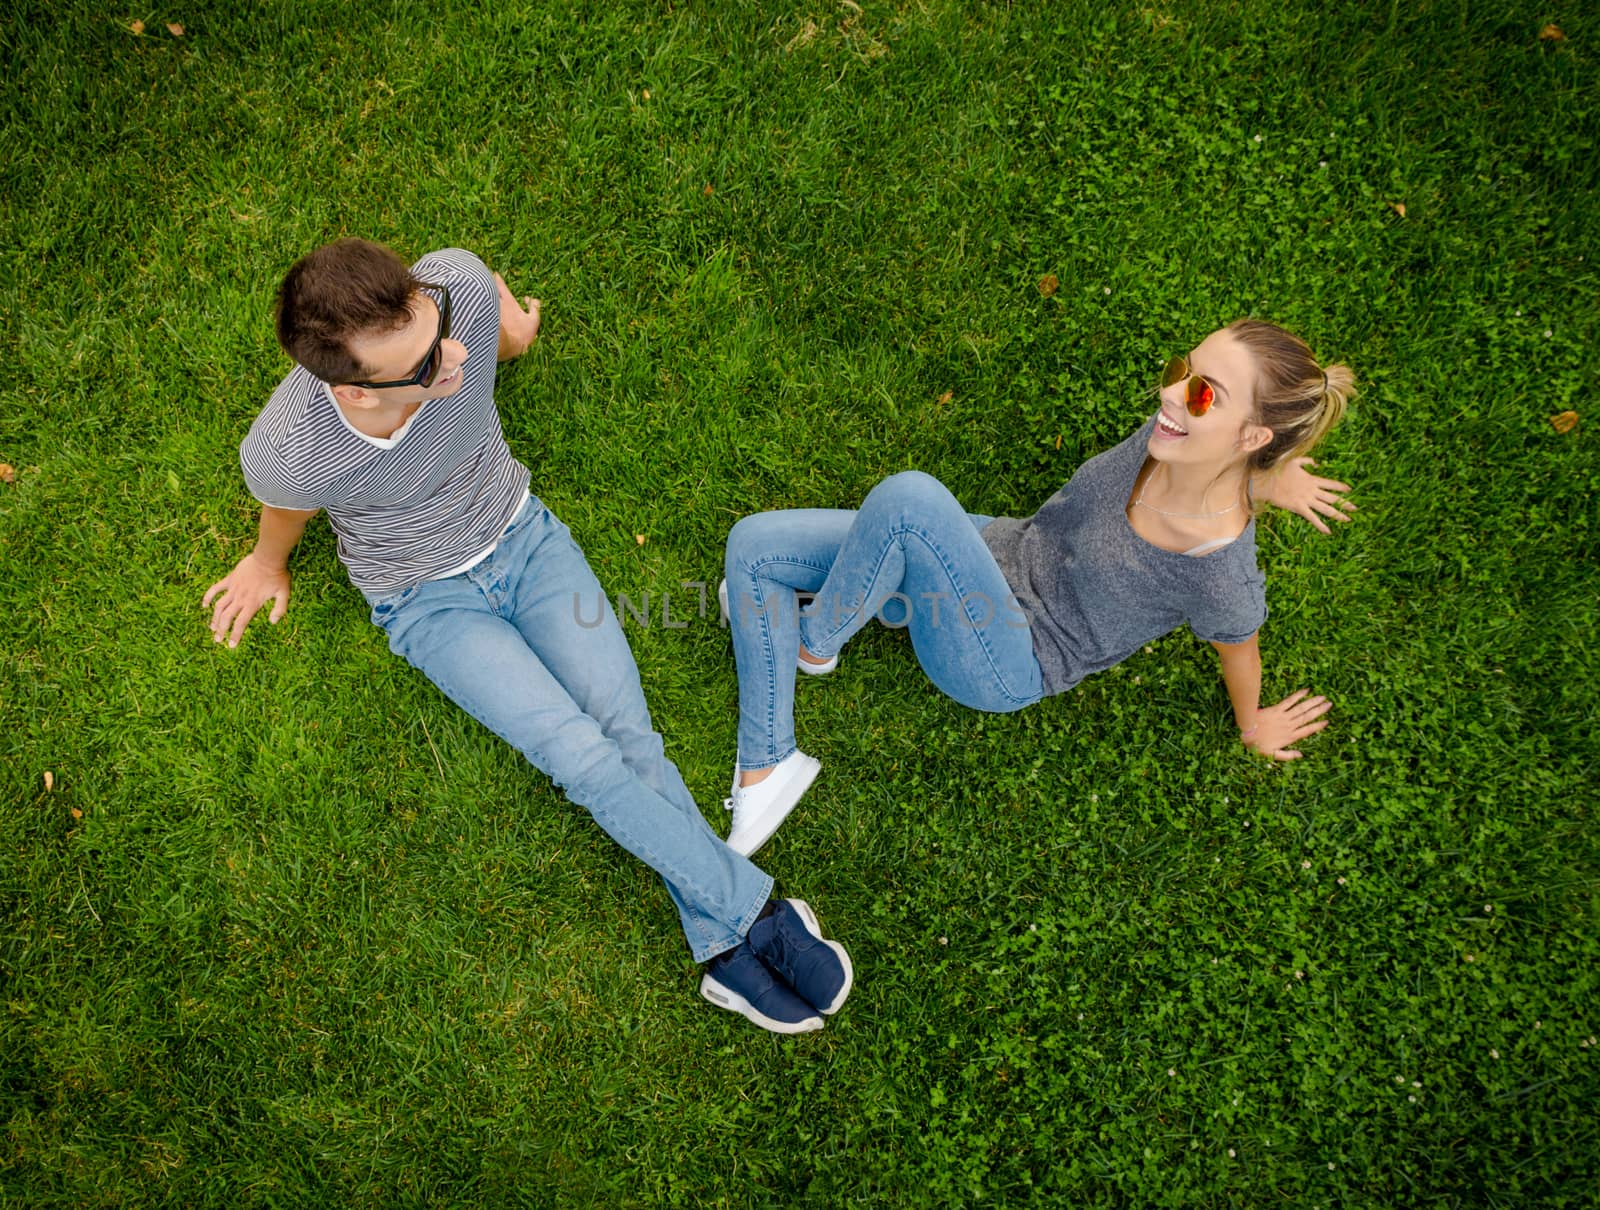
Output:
x=525 y=643
x=912 y=556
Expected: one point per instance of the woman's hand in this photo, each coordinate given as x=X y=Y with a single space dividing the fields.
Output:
x=1294 y=488
x=1289 y=722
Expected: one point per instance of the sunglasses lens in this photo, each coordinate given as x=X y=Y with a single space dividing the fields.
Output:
x=1176 y=370
x=431 y=370
x=1199 y=396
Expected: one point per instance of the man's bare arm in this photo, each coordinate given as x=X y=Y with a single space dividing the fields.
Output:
x=519 y=322
x=259 y=577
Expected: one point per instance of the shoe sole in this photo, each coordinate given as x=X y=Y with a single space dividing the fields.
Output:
x=808 y=669
x=726 y=997
x=803 y=909
x=749 y=843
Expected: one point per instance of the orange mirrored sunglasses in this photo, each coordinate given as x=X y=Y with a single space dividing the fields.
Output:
x=1198 y=394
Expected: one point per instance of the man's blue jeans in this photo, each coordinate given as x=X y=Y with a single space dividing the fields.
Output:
x=911 y=554
x=509 y=642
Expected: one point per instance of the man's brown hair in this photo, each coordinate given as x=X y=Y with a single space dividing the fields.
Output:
x=345 y=288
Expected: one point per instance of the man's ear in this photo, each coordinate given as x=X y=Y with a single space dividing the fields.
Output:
x=352 y=397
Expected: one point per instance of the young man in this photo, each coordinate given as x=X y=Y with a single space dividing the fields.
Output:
x=388 y=424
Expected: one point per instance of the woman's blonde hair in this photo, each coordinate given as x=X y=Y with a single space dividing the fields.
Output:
x=1296 y=398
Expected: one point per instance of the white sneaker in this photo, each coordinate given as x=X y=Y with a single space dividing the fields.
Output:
x=809 y=669
x=821 y=669
x=759 y=809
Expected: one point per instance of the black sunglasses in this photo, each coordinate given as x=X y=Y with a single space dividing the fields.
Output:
x=430 y=363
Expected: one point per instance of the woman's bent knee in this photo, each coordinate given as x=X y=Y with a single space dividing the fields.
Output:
x=749 y=541
x=909 y=491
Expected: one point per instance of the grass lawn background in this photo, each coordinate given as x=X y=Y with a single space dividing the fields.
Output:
x=291 y=929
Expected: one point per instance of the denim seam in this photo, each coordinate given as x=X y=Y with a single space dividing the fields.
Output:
x=772 y=663
x=746 y=921
x=772 y=658
x=702 y=941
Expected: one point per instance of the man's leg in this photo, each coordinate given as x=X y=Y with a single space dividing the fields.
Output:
x=456 y=631
x=563 y=615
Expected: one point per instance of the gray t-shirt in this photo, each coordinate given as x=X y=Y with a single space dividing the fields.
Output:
x=1095 y=591
x=423 y=501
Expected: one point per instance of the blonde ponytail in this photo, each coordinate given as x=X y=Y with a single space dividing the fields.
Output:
x=1298 y=400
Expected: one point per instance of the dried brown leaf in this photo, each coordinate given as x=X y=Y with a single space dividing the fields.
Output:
x=136 y=27
x=175 y=29
x=49 y=781
x=1564 y=422
x=77 y=814
x=1552 y=33
x=708 y=190
x=807 y=35
x=1399 y=208
x=8 y=473
x=1048 y=284
x=946 y=398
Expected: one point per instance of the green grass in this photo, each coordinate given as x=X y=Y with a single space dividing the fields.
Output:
x=291 y=929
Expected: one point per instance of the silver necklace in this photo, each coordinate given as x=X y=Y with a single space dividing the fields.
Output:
x=1140 y=503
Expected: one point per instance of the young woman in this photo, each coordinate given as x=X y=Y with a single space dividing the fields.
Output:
x=1147 y=536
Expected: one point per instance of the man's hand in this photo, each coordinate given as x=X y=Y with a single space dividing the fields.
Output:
x=519 y=322
x=1289 y=722
x=261 y=576
x=1294 y=488
x=241 y=594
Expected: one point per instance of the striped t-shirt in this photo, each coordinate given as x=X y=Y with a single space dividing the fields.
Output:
x=419 y=503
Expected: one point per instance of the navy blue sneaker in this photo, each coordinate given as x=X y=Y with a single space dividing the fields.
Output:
x=737 y=981
x=790 y=941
